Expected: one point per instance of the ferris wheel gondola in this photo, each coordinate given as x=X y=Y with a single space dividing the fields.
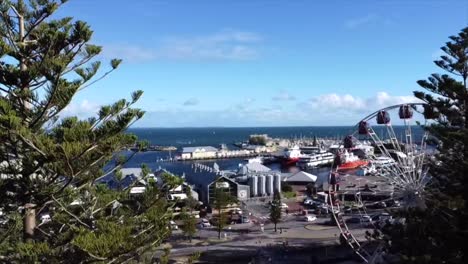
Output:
x=405 y=177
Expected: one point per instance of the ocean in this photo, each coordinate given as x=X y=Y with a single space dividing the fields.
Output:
x=213 y=136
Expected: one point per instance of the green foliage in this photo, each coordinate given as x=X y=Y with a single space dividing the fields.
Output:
x=286 y=187
x=52 y=161
x=275 y=208
x=222 y=199
x=194 y=257
x=289 y=195
x=443 y=225
x=258 y=140
x=165 y=257
x=33 y=252
x=189 y=227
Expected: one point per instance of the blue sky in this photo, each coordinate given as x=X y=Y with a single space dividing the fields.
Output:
x=264 y=62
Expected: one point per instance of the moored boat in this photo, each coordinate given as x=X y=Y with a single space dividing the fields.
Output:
x=291 y=156
x=315 y=160
x=347 y=161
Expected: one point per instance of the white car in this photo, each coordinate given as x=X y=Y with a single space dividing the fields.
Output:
x=284 y=206
x=204 y=223
x=366 y=219
x=309 y=218
x=173 y=225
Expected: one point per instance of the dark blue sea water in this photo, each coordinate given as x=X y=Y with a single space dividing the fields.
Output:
x=214 y=136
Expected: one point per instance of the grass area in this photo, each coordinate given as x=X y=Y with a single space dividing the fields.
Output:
x=288 y=195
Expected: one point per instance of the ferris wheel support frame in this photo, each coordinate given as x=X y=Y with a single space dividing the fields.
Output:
x=396 y=175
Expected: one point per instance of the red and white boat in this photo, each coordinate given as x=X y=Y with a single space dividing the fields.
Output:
x=291 y=156
x=347 y=161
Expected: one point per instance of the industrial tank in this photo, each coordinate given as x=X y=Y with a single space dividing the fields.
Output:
x=277 y=183
x=253 y=183
x=261 y=185
x=269 y=184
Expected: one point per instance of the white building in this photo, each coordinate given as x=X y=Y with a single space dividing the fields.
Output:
x=203 y=152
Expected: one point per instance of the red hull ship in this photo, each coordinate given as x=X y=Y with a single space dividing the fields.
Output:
x=349 y=161
x=291 y=156
x=353 y=165
x=289 y=161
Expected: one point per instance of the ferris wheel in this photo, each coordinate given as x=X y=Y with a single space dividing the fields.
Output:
x=392 y=174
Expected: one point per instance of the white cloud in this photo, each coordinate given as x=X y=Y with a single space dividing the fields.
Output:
x=82 y=110
x=191 y=102
x=283 y=96
x=243 y=106
x=360 y=21
x=326 y=109
x=225 y=45
x=349 y=103
x=128 y=53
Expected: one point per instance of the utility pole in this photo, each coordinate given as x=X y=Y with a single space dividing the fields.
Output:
x=29 y=208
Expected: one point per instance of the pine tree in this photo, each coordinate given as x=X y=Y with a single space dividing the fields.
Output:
x=439 y=233
x=189 y=227
x=190 y=224
x=49 y=163
x=222 y=199
x=275 y=208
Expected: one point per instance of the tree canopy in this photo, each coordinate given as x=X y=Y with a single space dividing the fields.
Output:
x=53 y=209
x=275 y=208
x=439 y=233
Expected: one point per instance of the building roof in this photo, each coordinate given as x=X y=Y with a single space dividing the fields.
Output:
x=199 y=149
x=131 y=171
x=253 y=167
x=301 y=176
x=223 y=178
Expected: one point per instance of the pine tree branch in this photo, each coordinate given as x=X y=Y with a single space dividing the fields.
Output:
x=115 y=168
x=97 y=80
x=69 y=213
x=30 y=144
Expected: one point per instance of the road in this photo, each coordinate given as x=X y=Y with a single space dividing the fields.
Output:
x=247 y=240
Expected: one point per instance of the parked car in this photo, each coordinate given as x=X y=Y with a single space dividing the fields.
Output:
x=347 y=209
x=236 y=211
x=173 y=225
x=284 y=206
x=309 y=218
x=366 y=219
x=245 y=219
x=308 y=201
x=204 y=223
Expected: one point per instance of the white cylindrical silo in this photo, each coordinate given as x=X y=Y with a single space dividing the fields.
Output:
x=269 y=184
x=277 y=182
x=253 y=182
x=261 y=185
